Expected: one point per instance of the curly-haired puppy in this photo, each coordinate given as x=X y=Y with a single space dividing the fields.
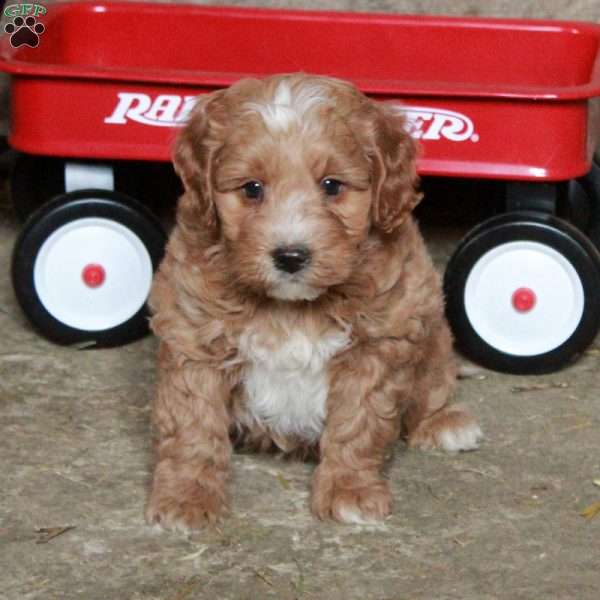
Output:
x=296 y=305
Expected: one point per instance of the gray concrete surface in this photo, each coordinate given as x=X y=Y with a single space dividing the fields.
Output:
x=536 y=9
x=500 y=523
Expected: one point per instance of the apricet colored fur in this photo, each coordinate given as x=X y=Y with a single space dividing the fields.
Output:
x=337 y=361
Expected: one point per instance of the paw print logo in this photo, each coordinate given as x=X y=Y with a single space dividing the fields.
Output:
x=24 y=32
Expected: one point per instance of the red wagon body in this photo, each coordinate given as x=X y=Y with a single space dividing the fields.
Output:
x=487 y=98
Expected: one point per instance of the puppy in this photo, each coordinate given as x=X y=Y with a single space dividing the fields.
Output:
x=296 y=306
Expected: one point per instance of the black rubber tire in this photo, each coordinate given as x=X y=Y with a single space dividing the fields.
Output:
x=64 y=209
x=547 y=230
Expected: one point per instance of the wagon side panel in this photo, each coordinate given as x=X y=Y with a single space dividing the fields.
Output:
x=97 y=119
x=503 y=139
x=462 y=137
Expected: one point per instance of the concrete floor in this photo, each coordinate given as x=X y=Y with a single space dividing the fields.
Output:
x=535 y=9
x=503 y=522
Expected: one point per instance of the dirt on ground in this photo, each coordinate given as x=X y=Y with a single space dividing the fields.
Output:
x=504 y=522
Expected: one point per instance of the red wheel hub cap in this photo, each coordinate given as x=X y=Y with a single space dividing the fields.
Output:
x=93 y=275
x=523 y=299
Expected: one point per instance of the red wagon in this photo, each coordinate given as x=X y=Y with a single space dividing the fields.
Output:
x=97 y=100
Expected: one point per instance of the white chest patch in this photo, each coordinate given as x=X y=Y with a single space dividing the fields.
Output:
x=286 y=380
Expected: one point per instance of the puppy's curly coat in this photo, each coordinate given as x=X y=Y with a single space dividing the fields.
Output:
x=296 y=305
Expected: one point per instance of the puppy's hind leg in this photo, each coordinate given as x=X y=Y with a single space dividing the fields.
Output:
x=430 y=422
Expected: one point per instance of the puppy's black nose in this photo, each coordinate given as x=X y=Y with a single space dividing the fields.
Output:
x=291 y=259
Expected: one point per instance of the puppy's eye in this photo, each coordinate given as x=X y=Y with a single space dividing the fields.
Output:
x=253 y=190
x=331 y=187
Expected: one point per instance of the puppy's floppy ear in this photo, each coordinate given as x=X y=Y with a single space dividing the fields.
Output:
x=393 y=154
x=193 y=151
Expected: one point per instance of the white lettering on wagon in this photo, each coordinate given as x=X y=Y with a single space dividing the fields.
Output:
x=437 y=123
x=166 y=110
x=170 y=110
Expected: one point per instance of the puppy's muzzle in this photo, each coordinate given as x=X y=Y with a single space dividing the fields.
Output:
x=291 y=259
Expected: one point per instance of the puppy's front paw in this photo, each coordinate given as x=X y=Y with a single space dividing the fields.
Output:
x=340 y=498
x=452 y=429
x=193 y=508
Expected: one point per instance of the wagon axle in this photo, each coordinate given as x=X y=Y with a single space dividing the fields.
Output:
x=523 y=299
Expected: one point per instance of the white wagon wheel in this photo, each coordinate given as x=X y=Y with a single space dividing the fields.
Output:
x=82 y=267
x=522 y=293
